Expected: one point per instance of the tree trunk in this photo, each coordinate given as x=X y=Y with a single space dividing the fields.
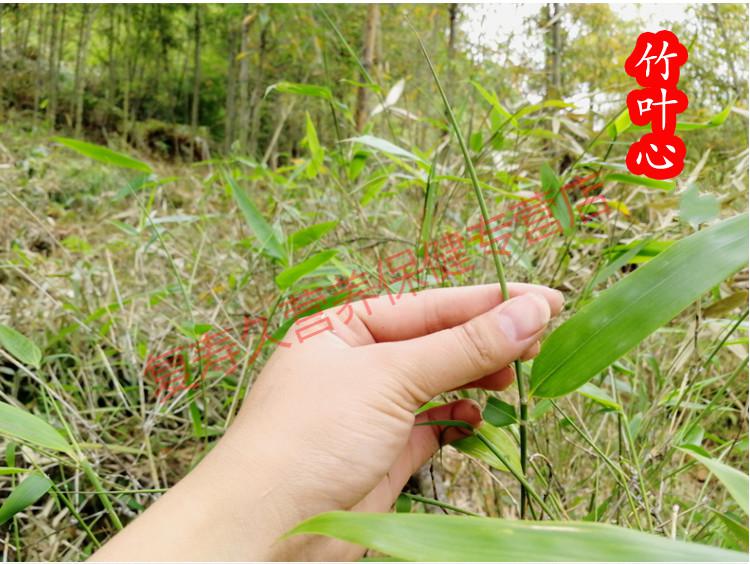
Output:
x=39 y=72
x=551 y=15
x=368 y=60
x=453 y=15
x=2 y=9
x=27 y=30
x=87 y=19
x=111 y=68
x=230 y=110
x=196 y=80
x=244 y=99
x=52 y=68
x=256 y=100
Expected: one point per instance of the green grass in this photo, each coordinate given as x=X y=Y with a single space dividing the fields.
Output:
x=100 y=283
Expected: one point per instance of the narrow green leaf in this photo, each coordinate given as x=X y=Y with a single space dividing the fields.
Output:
x=309 y=235
x=19 y=346
x=696 y=209
x=289 y=276
x=27 y=492
x=102 y=154
x=620 y=125
x=736 y=482
x=258 y=225
x=301 y=89
x=424 y=537
x=598 y=395
x=499 y=413
x=737 y=530
x=491 y=98
x=557 y=199
x=316 y=151
x=20 y=424
x=385 y=146
x=617 y=263
x=429 y=206
x=637 y=180
x=637 y=305
x=530 y=109
x=501 y=439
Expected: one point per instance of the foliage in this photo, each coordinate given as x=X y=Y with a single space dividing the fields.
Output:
x=149 y=229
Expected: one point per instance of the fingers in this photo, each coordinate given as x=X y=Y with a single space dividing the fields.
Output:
x=532 y=351
x=440 y=308
x=498 y=381
x=425 y=440
x=484 y=345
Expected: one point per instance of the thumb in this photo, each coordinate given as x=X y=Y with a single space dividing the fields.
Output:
x=448 y=359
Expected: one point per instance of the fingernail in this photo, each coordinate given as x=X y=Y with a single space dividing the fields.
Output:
x=523 y=317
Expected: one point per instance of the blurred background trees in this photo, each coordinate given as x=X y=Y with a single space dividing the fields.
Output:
x=176 y=80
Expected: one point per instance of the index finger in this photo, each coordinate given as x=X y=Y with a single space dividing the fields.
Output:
x=414 y=315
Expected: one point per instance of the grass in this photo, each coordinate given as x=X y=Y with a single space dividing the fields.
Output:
x=101 y=272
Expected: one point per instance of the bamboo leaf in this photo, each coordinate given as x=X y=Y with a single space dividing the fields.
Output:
x=499 y=413
x=289 y=276
x=637 y=305
x=20 y=346
x=492 y=100
x=620 y=125
x=316 y=151
x=309 y=235
x=27 y=492
x=736 y=482
x=637 y=180
x=696 y=209
x=102 y=154
x=265 y=234
x=20 y=424
x=501 y=439
x=424 y=537
x=385 y=146
x=557 y=199
x=301 y=89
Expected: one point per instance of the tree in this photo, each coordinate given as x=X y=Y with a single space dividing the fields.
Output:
x=87 y=19
x=368 y=60
x=196 y=78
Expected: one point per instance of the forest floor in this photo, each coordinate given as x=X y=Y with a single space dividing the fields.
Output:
x=104 y=270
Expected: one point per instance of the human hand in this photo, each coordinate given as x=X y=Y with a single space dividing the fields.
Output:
x=330 y=423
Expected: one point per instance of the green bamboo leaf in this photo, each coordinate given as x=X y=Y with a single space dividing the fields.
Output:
x=637 y=180
x=557 y=199
x=309 y=235
x=625 y=314
x=316 y=151
x=737 y=483
x=499 y=413
x=491 y=98
x=424 y=537
x=736 y=529
x=27 y=492
x=265 y=234
x=594 y=393
x=102 y=154
x=501 y=439
x=620 y=124
x=301 y=89
x=289 y=276
x=20 y=424
x=386 y=147
x=19 y=346
x=696 y=208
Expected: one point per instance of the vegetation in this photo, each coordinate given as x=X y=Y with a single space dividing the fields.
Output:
x=170 y=170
